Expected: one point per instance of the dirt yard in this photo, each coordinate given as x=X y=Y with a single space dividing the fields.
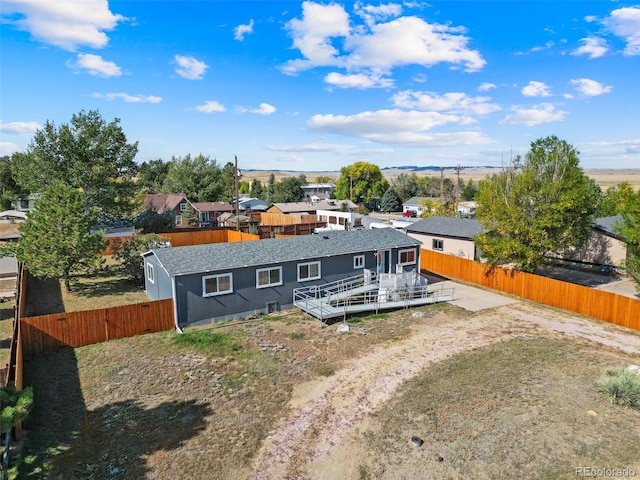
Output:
x=501 y=393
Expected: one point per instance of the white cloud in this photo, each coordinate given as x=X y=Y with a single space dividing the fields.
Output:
x=7 y=148
x=411 y=41
x=536 y=89
x=358 y=80
x=190 y=68
x=397 y=127
x=542 y=113
x=594 y=47
x=377 y=48
x=20 y=128
x=241 y=30
x=210 y=106
x=264 y=109
x=375 y=13
x=538 y=48
x=486 y=86
x=590 y=88
x=625 y=23
x=454 y=102
x=129 y=98
x=95 y=65
x=65 y=23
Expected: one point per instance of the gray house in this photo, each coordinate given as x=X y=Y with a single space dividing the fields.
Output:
x=227 y=280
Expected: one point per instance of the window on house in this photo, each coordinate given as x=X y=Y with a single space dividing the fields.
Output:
x=437 y=244
x=150 y=276
x=407 y=257
x=204 y=216
x=268 y=277
x=308 y=271
x=217 y=284
x=358 y=261
x=183 y=207
x=178 y=219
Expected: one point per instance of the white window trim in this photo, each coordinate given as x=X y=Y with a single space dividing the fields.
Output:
x=310 y=278
x=178 y=219
x=433 y=247
x=400 y=252
x=358 y=259
x=215 y=294
x=150 y=273
x=183 y=206
x=270 y=284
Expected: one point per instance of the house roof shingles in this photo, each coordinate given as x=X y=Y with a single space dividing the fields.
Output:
x=447 y=226
x=226 y=256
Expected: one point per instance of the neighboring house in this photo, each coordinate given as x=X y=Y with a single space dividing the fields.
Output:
x=418 y=204
x=173 y=202
x=227 y=280
x=24 y=204
x=604 y=246
x=311 y=208
x=209 y=212
x=10 y=221
x=452 y=235
x=337 y=220
x=251 y=204
x=467 y=209
x=315 y=192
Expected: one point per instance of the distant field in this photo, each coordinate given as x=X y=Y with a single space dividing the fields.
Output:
x=603 y=177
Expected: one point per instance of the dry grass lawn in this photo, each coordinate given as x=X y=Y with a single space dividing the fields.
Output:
x=493 y=394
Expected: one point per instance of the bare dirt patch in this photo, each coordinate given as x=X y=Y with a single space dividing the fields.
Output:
x=493 y=394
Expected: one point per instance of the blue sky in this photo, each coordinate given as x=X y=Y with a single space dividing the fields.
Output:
x=313 y=86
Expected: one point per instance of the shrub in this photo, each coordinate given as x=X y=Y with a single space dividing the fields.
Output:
x=621 y=386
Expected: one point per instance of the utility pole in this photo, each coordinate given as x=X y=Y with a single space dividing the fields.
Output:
x=458 y=169
x=235 y=181
x=441 y=182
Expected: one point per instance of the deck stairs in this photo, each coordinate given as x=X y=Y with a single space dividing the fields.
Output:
x=368 y=292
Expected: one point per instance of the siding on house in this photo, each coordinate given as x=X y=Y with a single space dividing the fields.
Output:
x=334 y=250
x=451 y=235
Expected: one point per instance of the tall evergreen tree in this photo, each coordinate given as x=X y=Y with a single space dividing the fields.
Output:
x=198 y=178
x=389 y=202
x=57 y=237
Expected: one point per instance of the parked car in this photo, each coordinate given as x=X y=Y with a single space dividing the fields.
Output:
x=410 y=213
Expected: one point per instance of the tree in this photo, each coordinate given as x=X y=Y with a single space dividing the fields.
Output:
x=615 y=198
x=87 y=154
x=629 y=228
x=129 y=254
x=271 y=186
x=441 y=207
x=228 y=182
x=152 y=175
x=469 y=191
x=323 y=179
x=289 y=189
x=198 y=178
x=190 y=217
x=360 y=182
x=390 y=202
x=406 y=186
x=536 y=208
x=16 y=406
x=10 y=191
x=255 y=190
x=57 y=238
x=151 y=221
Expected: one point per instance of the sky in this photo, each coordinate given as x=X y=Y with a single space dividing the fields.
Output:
x=314 y=86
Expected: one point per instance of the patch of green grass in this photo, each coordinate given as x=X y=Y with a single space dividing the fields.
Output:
x=221 y=343
x=374 y=316
x=621 y=386
x=101 y=290
x=296 y=335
